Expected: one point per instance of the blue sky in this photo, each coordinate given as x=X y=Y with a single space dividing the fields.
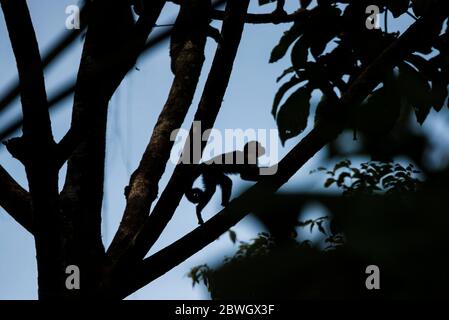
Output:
x=133 y=112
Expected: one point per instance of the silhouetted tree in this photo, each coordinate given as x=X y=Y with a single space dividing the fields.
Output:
x=368 y=79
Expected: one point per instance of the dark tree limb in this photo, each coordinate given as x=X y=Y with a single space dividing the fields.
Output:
x=208 y=109
x=66 y=91
x=112 y=69
x=156 y=265
x=109 y=52
x=280 y=6
x=275 y=17
x=32 y=87
x=15 y=200
x=55 y=50
x=36 y=148
x=187 y=52
x=169 y=257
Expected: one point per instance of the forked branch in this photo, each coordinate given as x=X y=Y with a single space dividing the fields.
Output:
x=166 y=259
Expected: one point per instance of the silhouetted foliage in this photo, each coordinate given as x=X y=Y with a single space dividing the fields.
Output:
x=332 y=46
x=386 y=217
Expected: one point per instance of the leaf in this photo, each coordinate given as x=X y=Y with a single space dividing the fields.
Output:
x=398 y=7
x=320 y=227
x=342 y=164
x=381 y=111
x=342 y=177
x=439 y=91
x=293 y=114
x=320 y=42
x=387 y=181
x=320 y=34
x=233 y=236
x=439 y=94
x=284 y=73
x=305 y=3
x=305 y=223
x=425 y=67
x=420 y=7
x=281 y=92
x=300 y=53
x=329 y=182
x=416 y=89
x=287 y=40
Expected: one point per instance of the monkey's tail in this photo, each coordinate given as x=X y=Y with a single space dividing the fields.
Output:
x=194 y=195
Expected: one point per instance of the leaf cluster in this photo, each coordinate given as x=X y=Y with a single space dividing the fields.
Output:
x=331 y=47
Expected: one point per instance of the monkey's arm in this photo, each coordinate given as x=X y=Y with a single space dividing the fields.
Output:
x=226 y=189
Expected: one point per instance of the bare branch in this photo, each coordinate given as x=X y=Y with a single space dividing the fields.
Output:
x=15 y=200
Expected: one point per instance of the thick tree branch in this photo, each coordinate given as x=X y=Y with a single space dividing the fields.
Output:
x=163 y=261
x=209 y=106
x=15 y=200
x=36 y=148
x=55 y=50
x=187 y=52
x=66 y=91
x=109 y=52
x=32 y=87
x=112 y=69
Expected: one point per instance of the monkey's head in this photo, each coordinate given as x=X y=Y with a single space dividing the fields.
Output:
x=194 y=195
x=253 y=150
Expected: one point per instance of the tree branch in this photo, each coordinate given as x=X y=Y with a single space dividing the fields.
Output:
x=209 y=106
x=37 y=125
x=275 y=17
x=164 y=260
x=66 y=91
x=112 y=69
x=15 y=200
x=110 y=50
x=187 y=51
x=57 y=48
x=36 y=148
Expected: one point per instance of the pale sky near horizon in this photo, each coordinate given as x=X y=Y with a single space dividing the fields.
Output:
x=133 y=113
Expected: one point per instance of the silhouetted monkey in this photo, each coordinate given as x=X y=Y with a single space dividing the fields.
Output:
x=214 y=173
